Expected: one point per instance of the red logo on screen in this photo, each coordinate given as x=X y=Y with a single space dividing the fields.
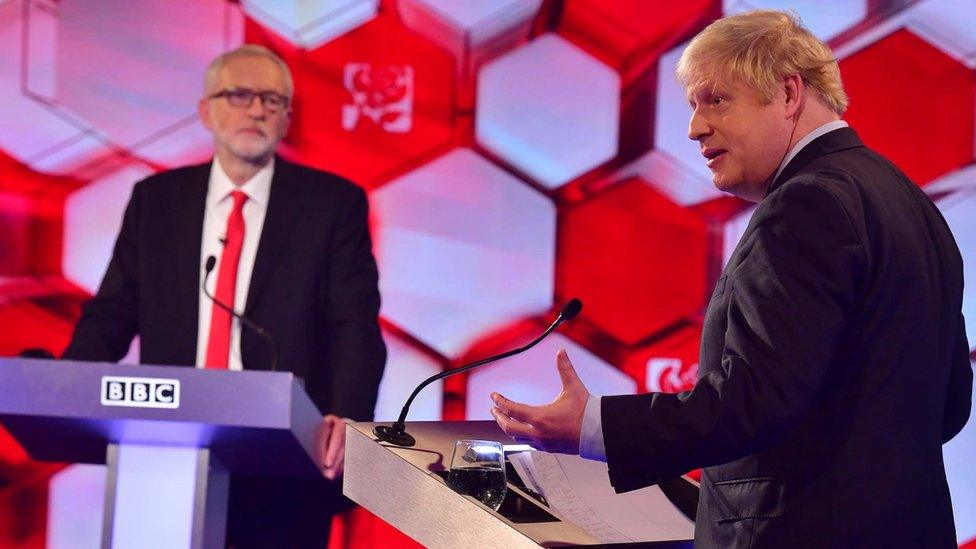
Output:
x=670 y=375
x=383 y=94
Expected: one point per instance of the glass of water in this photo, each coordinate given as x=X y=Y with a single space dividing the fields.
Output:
x=478 y=470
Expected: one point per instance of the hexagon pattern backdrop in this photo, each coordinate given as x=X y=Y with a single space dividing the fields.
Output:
x=517 y=153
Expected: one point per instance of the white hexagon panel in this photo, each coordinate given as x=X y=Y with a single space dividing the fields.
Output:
x=460 y=26
x=92 y=218
x=958 y=455
x=671 y=178
x=310 y=23
x=135 y=70
x=823 y=20
x=531 y=377
x=76 y=498
x=406 y=367
x=732 y=232
x=676 y=165
x=950 y=25
x=463 y=248
x=957 y=180
x=957 y=207
x=179 y=145
x=549 y=109
x=38 y=135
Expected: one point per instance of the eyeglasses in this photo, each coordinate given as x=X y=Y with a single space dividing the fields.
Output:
x=243 y=98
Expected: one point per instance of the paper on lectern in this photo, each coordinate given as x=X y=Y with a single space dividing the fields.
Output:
x=579 y=490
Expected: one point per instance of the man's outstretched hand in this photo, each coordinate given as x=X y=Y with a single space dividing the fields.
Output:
x=554 y=427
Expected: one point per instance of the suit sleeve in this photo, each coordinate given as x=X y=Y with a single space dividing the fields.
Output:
x=789 y=297
x=959 y=393
x=109 y=320
x=357 y=353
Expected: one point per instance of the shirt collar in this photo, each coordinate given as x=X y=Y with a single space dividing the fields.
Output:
x=257 y=188
x=807 y=139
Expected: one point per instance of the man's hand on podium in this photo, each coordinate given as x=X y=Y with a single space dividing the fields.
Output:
x=554 y=427
x=332 y=446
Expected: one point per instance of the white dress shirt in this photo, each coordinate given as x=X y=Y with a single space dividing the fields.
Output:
x=592 y=444
x=828 y=127
x=218 y=207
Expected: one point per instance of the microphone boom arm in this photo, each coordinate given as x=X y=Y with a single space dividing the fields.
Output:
x=396 y=433
x=465 y=368
x=211 y=261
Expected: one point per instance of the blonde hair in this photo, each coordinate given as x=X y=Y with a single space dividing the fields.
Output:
x=759 y=48
x=211 y=78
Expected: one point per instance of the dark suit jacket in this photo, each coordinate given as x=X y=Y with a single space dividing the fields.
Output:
x=313 y=285
x=833 y=366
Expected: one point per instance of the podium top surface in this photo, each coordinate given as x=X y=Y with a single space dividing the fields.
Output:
x=255 y=421
x=403 y=486
x=435 y=440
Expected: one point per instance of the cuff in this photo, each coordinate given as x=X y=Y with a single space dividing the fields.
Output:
x=591 y=431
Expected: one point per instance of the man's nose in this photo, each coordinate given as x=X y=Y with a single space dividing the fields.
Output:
x=698 y=127
x=256 y=108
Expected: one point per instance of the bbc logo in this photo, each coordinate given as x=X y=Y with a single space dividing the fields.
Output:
x=140 y=392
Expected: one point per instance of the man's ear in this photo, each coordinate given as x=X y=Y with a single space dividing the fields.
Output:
x=287 y=121
x=795 y=90
x=203 y=111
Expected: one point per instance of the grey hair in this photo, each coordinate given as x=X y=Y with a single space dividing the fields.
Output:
x=212 y=77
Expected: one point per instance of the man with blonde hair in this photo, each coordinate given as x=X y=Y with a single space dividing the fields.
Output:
x=834 y=362
x=292 y=252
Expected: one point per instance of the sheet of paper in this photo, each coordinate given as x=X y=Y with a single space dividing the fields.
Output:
x=580 y=491
x=522 y=462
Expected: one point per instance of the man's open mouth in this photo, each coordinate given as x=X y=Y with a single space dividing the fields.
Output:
x=711 y=155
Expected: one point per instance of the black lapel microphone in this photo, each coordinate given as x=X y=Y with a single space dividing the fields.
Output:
x=208 y=268
x=397 y=433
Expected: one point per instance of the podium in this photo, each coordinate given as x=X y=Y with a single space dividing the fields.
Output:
x=406 y=487
x=170 y=437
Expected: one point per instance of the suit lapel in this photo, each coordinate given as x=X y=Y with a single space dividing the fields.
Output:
x=837 y=140
x=188 y=233
x=284 y=207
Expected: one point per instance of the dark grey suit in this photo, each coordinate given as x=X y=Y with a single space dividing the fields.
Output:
x=313 y=286
x=833 y=366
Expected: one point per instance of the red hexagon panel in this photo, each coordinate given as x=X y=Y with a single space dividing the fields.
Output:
x=629 y=34
x=31 y=207
x=42 y=309
x=913 y=104
x=669 y=364
x=370 y=104
x=636 y=259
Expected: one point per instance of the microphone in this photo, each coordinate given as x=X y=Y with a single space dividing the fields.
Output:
x=208 y=268
x=397 y=433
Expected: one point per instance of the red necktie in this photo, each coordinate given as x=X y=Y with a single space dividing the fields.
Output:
x=218 y=344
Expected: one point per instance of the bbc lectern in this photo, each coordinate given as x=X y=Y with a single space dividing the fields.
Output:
x=169 y=436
